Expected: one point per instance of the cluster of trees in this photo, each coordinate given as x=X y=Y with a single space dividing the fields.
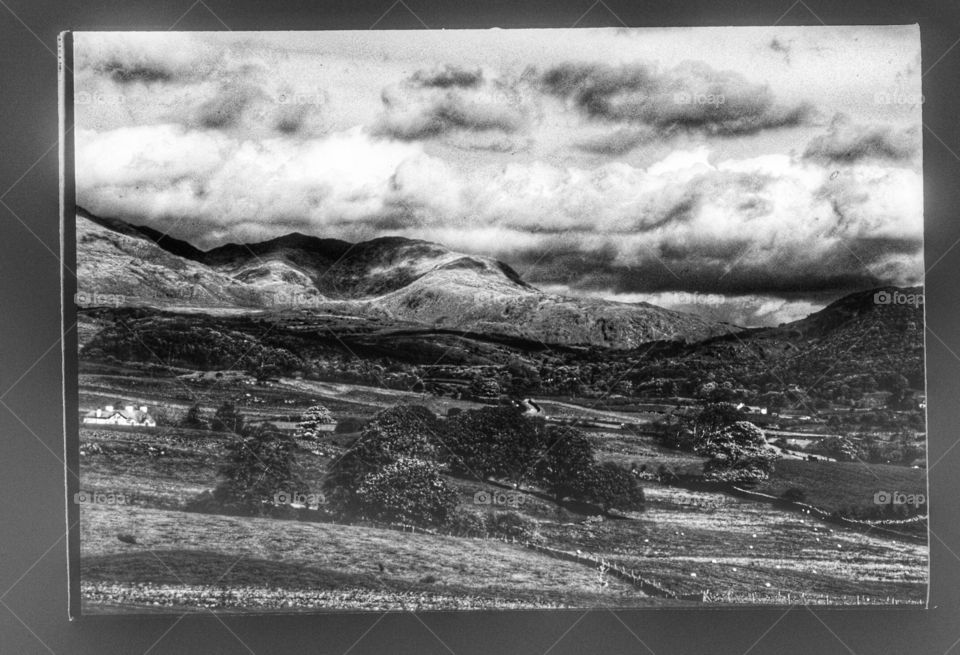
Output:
x=902 y=449
x=737 y=448
x=395 y=469
x=226 y=418
x=500 y=442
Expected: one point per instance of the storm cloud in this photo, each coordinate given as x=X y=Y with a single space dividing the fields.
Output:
x=434 y=103
x=609 y=176
x=848 y=142
x=692 y=95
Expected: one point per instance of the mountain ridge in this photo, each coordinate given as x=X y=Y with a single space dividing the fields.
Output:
x=394 y=277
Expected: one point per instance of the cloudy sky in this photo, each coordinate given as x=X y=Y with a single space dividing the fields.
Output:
x=749 y=174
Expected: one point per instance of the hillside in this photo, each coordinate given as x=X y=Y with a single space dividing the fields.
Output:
x=853 y=345
x=391 y=278
x=118 y=264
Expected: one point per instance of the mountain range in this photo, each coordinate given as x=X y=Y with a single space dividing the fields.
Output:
x=389 y=278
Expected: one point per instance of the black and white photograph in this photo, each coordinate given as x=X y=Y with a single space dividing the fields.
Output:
x=499 y=319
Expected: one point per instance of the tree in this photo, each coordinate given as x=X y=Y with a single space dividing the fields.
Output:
x=401 y=431
x=408 y=490
x=738 y=453
x=612 y=486
x=484 y=387
x=524 y=379
x=494 y=441
x=259 y=464
x=567 y=459
x=227 y=419
x=311 y=420
x=193 y=418
x=839 y=448
x=713 y=418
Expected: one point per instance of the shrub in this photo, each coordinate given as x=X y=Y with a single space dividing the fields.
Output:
x=193 y=418
x=612 y=486
x=513 y=525
x=227 y=419
x=259 y=464
x=839 y=448
x=311 y=420
x=467 y=523
x=408 y=490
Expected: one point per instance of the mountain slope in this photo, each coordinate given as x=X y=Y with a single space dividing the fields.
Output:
x=118 y=264
x=393 y=277
x=855 y=342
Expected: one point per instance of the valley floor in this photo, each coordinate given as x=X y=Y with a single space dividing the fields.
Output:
x=689 y=542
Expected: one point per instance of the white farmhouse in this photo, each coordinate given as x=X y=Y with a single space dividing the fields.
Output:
x=129 y=415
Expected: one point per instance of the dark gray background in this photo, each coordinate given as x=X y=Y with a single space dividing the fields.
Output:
x=33 y=578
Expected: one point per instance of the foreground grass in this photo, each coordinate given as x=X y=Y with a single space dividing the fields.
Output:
x=194 y=561
x=698 y=541
x=737 y=550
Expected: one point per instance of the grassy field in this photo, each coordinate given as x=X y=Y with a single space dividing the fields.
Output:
x=838 y=485
x=693 y=541
x=735 y=549
x=183 y=560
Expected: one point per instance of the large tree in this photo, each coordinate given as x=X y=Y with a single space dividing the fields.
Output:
x=612 y=487
x=259 y=465
x=566 y=460
x=494 y=442
x=401 y=431
x=738 y=453
x=408 y=490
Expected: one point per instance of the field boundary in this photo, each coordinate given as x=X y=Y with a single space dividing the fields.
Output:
x=884 y=526
x=618 y=571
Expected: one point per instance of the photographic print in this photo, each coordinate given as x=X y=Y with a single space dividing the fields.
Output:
x=498 y=319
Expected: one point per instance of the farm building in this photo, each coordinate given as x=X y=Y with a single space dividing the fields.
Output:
x=751 y=409
x=129 y=415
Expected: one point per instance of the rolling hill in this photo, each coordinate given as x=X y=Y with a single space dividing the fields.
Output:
x=405 y=280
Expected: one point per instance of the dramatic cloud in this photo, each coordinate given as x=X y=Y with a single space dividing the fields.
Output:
x=692 y=95
x=269 y=187
x=607 y=176
x=848 y=142
x=189 y=82
x=452 y=100
x=768 y=225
